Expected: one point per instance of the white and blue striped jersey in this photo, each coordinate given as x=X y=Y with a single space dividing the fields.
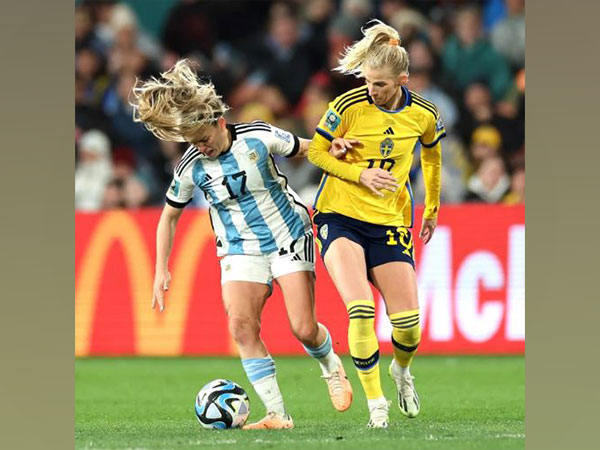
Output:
x=253 y=211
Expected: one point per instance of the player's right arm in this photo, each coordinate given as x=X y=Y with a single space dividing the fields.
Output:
x=180 y=193
x=330 y=127
x=333 y=125
x=165 y=233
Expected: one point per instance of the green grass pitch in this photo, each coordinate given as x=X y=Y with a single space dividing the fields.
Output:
x=468 y=402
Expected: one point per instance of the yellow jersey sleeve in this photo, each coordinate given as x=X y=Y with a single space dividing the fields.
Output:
x=332 y=125
x=434 y=131
x=431 y=157
x=431 y=164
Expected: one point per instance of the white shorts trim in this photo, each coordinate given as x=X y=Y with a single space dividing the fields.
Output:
x=253 y=268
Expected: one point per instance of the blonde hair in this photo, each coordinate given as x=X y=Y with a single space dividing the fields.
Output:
x=380 y=47
x=177 y=103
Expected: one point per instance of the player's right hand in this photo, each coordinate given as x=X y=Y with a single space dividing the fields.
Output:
x=341 y=146
x=161 y=284
x=377 y=179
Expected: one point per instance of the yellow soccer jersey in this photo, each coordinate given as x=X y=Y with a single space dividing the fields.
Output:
x=388 y=140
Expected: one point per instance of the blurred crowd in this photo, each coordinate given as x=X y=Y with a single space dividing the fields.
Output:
x=272 y=60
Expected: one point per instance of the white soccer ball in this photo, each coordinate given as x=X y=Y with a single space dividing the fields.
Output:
x=222 y=404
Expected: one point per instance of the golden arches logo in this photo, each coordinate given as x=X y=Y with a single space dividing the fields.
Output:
x=155 y=334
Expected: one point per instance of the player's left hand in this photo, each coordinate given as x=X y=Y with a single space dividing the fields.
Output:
x=341 y=146
x=427 y=229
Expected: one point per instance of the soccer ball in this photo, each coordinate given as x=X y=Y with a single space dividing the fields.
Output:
x=222 y=404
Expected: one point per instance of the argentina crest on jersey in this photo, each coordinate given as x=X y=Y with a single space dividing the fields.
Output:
x=386 y=147
x=253 y=155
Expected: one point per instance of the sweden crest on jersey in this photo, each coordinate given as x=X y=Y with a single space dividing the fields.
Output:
x=386 y=147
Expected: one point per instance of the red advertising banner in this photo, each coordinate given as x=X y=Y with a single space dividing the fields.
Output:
x=471 y=288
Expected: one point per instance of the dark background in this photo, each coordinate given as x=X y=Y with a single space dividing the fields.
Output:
x=272 y=60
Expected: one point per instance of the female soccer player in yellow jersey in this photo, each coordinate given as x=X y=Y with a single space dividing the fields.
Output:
x=364 y=206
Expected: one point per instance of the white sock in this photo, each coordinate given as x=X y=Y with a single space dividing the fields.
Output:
x=329 y=363
x=399 y=370
x=324 y=353
x=268 y=391
x=372 y=403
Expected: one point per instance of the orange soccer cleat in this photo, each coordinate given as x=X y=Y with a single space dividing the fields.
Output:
x=340 y=389
x=272 y=421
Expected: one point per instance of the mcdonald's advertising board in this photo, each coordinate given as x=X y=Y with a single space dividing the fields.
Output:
x=471 y=279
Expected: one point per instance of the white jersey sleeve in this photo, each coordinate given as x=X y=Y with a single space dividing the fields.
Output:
x=279 y=142
x=181 y=190
x=283 y=142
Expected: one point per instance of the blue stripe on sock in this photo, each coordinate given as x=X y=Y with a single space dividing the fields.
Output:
x=258 y=368
x=260 y=374
x=321 y=350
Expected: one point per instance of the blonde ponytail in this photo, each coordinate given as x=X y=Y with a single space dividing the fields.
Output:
x=380 y=47
x=176 y=104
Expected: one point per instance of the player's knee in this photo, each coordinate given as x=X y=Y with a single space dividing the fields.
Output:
x=305 y=331
x=244 y=330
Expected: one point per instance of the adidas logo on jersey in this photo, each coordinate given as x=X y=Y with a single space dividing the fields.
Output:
x=389 y=131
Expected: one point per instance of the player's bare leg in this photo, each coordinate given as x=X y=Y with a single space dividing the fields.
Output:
x=298 y=294
x=345 y=261
x=397 y=283
x=244 y=302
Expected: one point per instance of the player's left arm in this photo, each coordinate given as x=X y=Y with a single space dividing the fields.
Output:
x=286 y=144
x=431 y=164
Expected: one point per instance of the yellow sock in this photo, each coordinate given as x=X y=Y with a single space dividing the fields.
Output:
x=406 y=335
x=364 y=347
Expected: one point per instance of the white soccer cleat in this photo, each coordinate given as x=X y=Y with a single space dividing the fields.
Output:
x=379 y=415
x=408 y=399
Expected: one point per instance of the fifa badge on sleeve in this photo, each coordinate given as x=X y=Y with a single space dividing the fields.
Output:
x=439 y=125
x=332 y=120
x=174 y=188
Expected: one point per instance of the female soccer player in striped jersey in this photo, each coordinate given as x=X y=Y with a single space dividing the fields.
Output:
x=263 y=231
x=364 y=206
